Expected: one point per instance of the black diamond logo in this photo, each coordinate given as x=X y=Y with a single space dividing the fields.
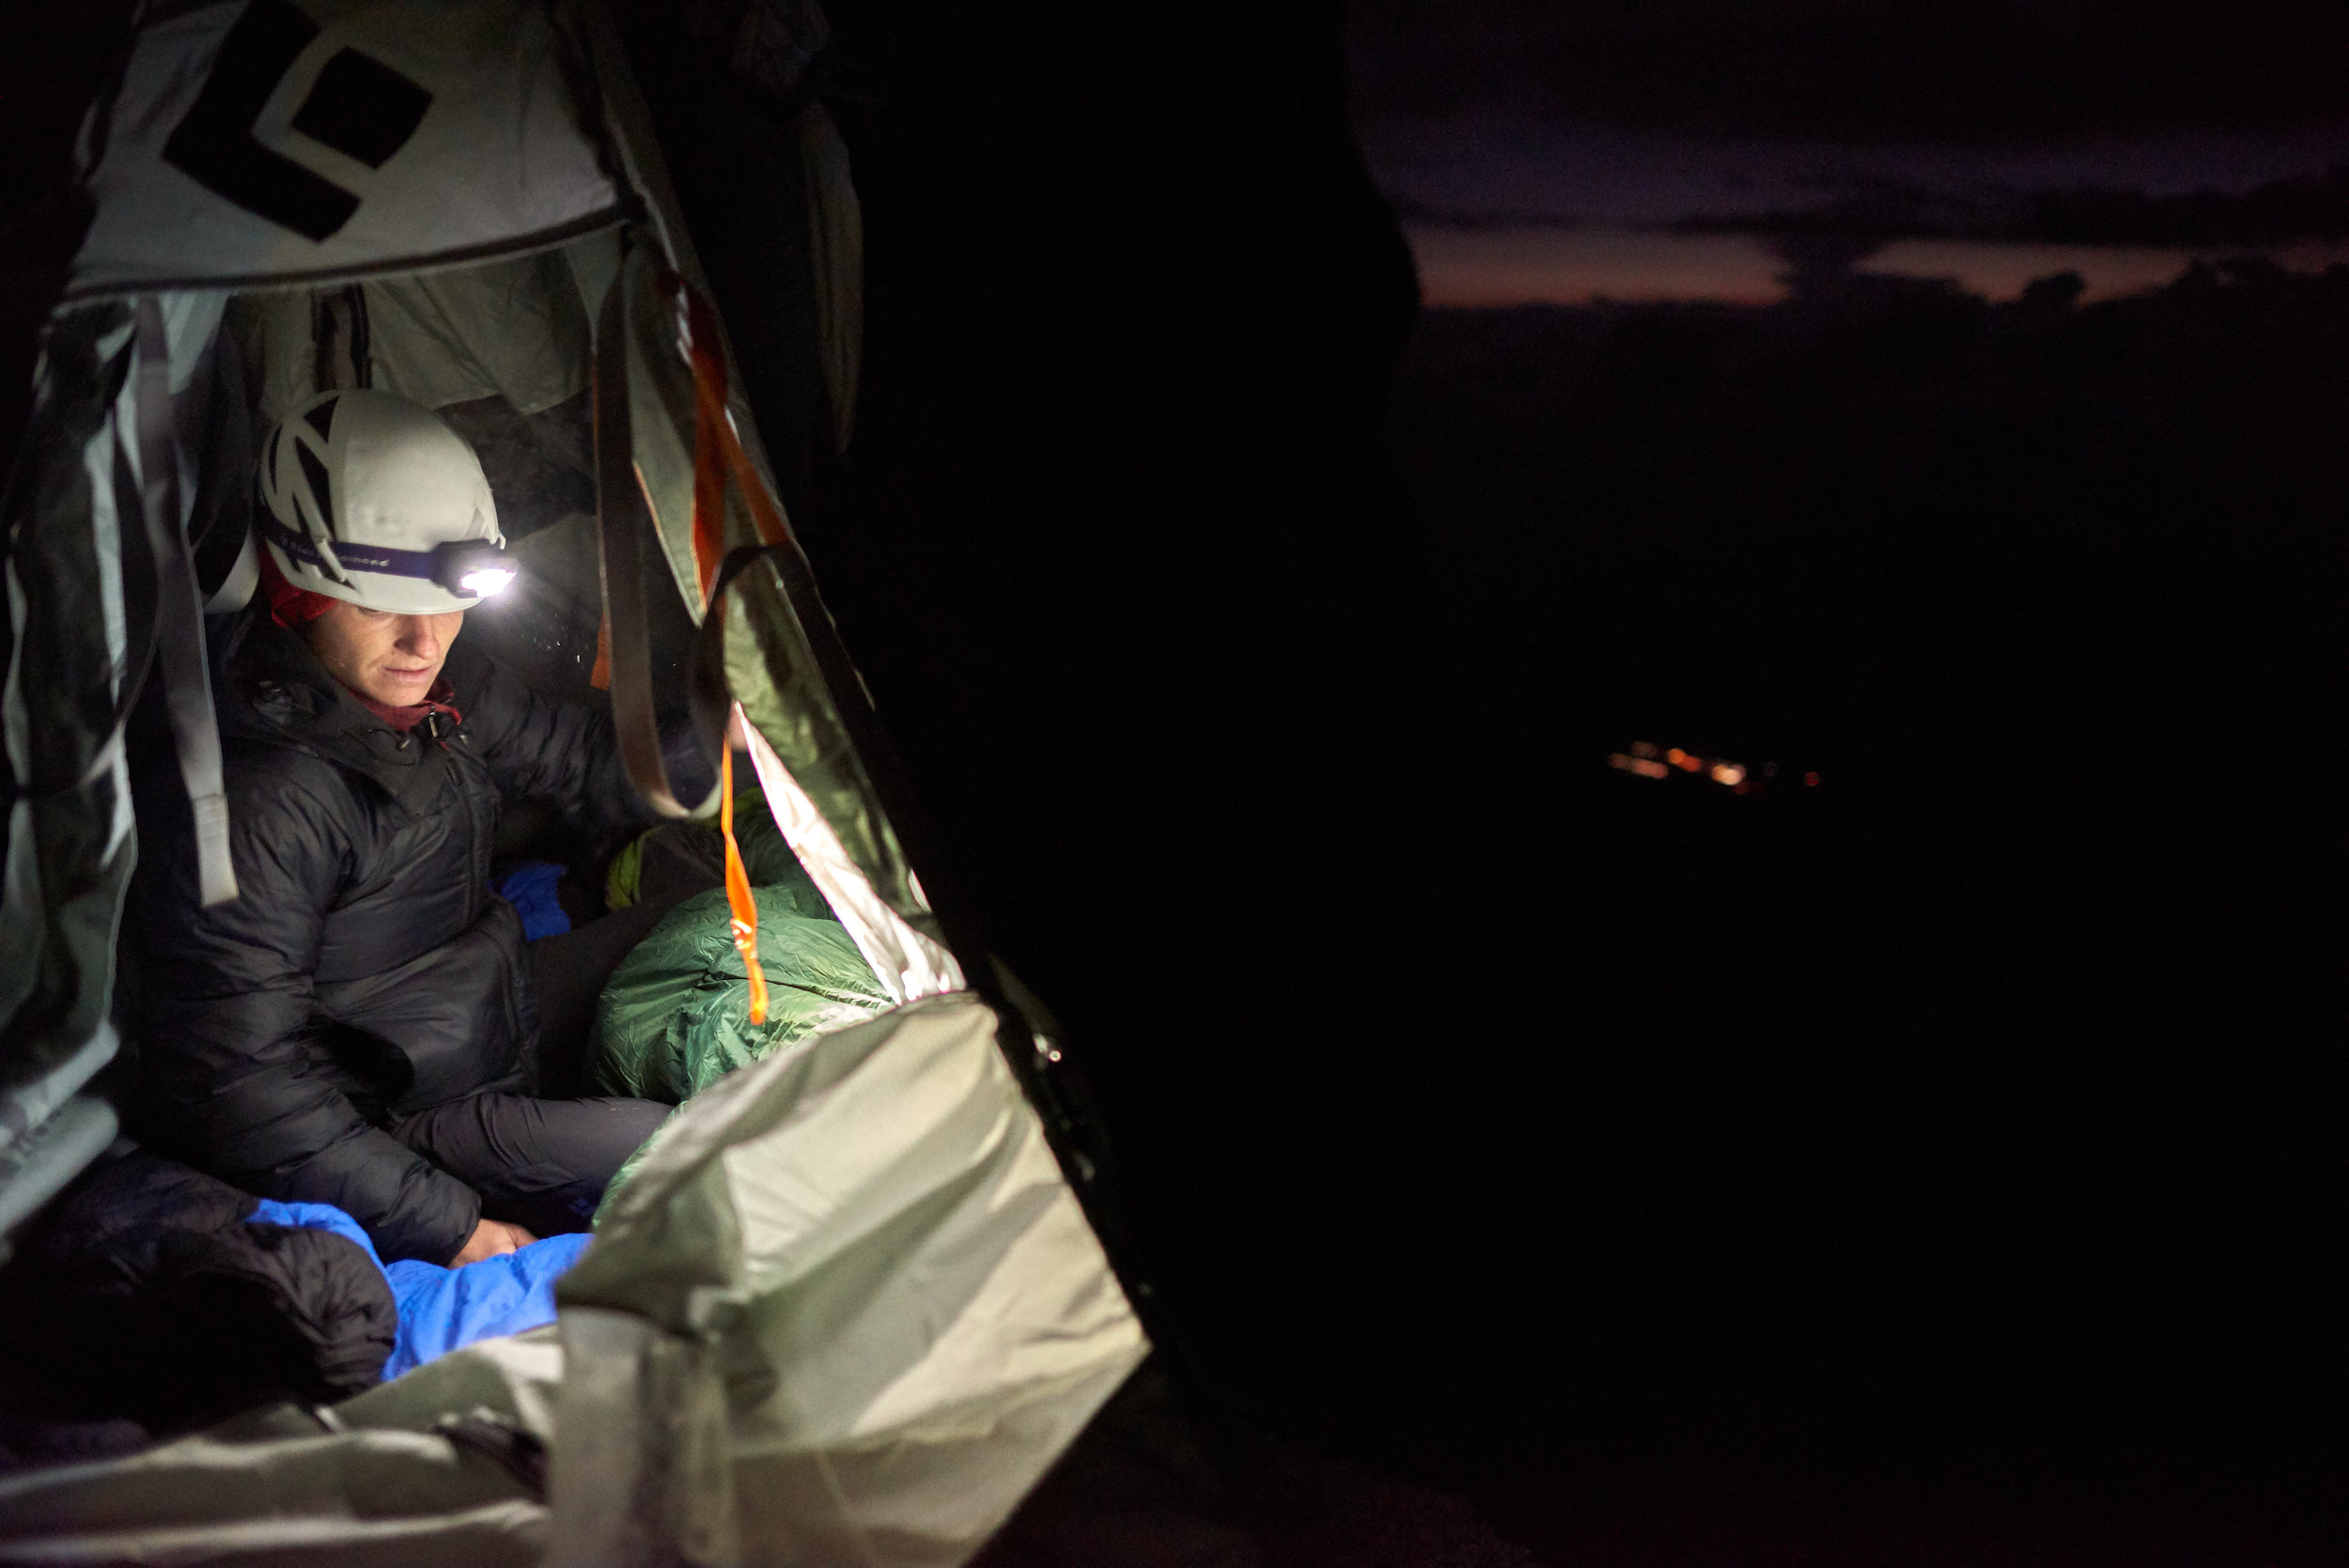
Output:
x=359 y=106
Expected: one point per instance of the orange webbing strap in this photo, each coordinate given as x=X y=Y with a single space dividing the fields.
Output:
x=764 y=512
x=742 y=907
x=714 y=441
x=718 y=454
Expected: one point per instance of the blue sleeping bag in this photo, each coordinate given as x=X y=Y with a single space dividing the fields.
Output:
x=441 y=1308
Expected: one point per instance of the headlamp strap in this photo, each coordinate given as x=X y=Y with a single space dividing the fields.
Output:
x=437 y=564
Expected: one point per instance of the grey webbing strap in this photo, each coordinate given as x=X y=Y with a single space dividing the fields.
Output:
x=625 y=521
x=179 y=611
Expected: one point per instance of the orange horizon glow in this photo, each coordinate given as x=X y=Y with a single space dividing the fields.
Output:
x=1499 y=267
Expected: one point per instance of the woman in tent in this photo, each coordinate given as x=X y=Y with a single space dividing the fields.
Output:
x=359 y=1027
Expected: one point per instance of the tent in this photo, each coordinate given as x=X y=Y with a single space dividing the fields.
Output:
x=855 y=1298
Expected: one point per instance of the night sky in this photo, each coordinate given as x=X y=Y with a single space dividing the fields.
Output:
x=1664 y=152
x=1857 y=70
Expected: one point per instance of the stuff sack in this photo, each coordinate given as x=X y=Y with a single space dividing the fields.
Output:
x=675 y=1015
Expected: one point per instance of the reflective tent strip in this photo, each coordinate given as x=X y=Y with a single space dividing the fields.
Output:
x=179 y=605
x=907 y=963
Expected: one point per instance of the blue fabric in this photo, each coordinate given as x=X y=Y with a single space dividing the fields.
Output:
x=441 y=1309
x=529 y=888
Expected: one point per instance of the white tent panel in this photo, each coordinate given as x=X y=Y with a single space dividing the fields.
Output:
x=848 y=1305
x=261 y=141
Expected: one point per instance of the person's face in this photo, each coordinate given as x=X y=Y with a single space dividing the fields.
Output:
x=392 y=659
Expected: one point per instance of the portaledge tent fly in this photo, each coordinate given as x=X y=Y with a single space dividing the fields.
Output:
x=853 y=1301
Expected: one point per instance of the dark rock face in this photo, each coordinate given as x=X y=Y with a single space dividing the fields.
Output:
x=1116 y=549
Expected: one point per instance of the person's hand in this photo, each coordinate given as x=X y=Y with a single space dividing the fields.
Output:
x=489 y=1239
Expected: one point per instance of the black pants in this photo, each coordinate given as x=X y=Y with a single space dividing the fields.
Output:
x=540 y=1164
x=543 y=1163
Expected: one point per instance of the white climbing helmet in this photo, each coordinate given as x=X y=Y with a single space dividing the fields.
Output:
x=374 y=500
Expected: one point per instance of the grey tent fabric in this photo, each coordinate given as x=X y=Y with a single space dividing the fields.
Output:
x=81 y=601
x=396 y=1477
x=68 y=851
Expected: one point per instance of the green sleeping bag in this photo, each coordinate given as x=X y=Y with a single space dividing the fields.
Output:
x=675 y=1015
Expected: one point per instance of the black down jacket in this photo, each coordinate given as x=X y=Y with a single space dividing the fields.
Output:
x=365 y=970
x=144 y=1291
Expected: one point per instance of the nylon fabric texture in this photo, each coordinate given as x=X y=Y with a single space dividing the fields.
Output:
x=674 y=1016
x=848 y=1312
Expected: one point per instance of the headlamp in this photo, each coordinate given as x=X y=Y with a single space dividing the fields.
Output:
x=472 y=566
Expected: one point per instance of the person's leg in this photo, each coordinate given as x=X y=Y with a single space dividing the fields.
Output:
x=679 y=860
x=568 y=972
x=540 y=1164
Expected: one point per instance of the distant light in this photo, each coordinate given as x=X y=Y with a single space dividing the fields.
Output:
x=485 y=580
x=1811 y=778
x=1648 y=762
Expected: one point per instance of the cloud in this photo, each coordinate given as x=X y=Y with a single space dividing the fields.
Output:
x=1502 y=267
